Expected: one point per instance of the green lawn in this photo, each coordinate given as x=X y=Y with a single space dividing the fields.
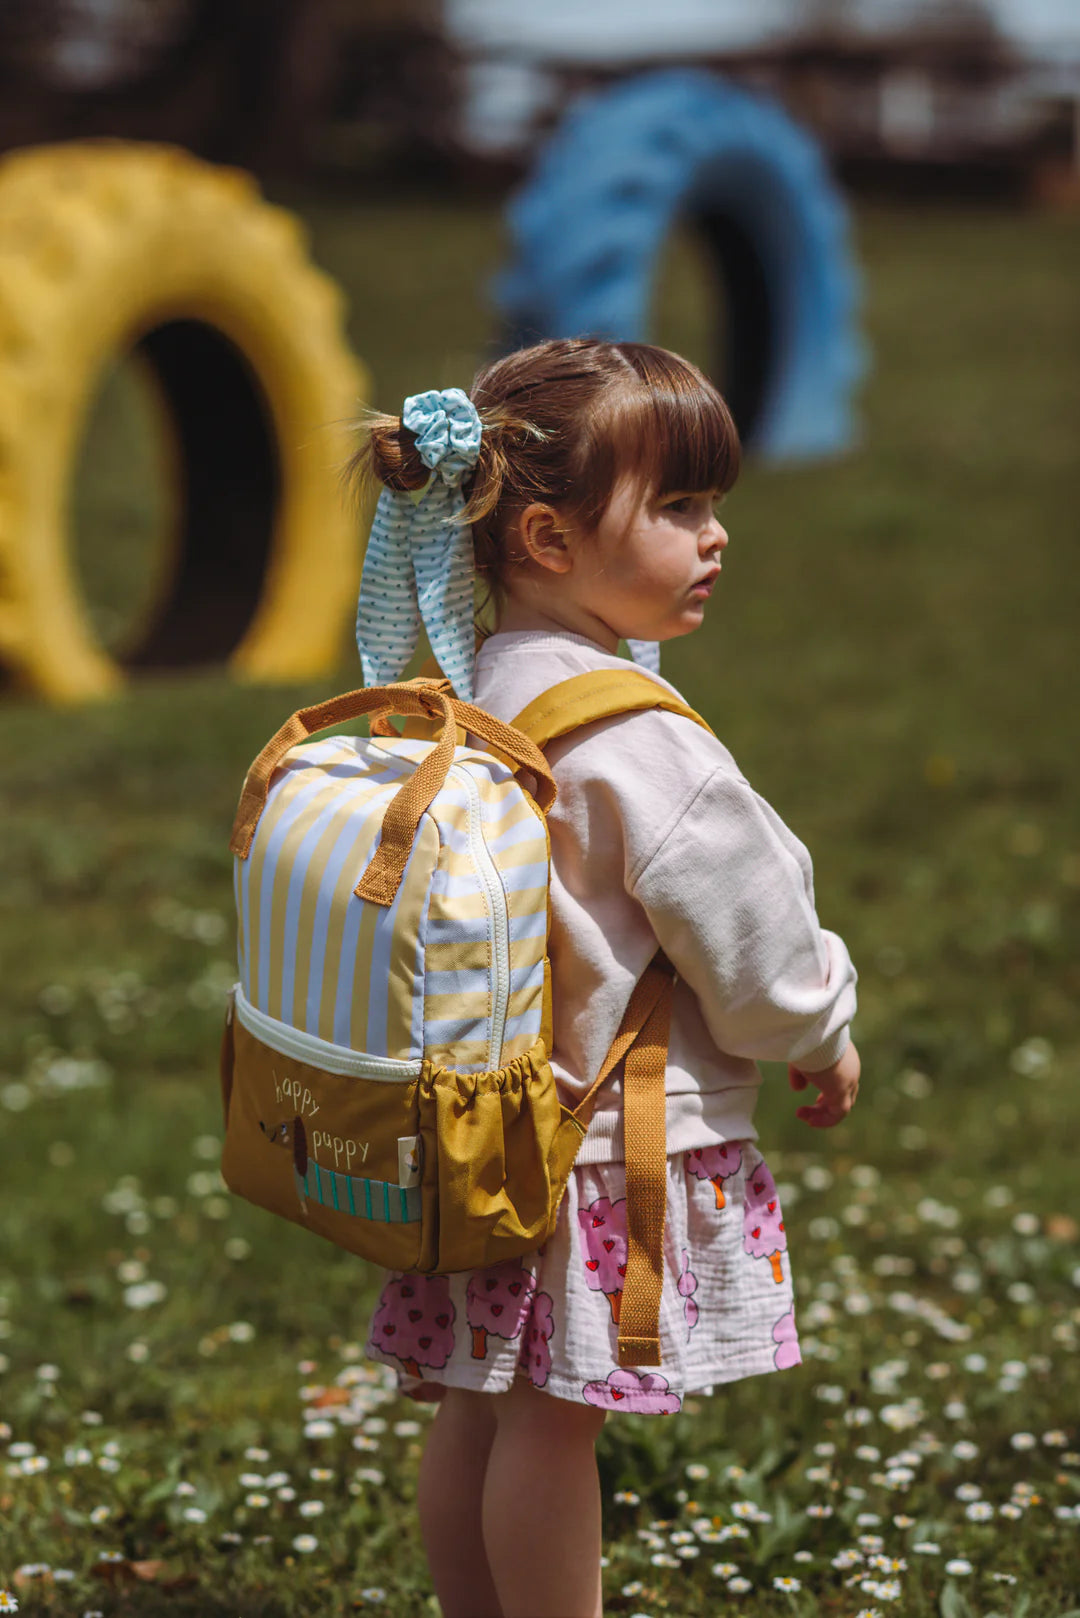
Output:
x=891 y=660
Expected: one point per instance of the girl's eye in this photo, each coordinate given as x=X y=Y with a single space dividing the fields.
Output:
x=681 y=505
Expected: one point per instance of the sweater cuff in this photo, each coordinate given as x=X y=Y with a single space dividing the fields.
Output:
x=824 y=1056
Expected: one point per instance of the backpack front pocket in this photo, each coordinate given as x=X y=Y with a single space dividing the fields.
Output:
x=329 y=1138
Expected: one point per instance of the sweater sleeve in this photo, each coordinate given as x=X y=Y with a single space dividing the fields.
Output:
x=729 y=894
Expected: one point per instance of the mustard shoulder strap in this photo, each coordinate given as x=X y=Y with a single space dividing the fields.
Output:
x=600 y=694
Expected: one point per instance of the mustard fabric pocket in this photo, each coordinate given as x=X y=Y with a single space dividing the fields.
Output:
x=493 y=1135
x=339 y=1154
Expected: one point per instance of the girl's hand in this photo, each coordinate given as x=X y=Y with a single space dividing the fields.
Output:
x=839 y=1085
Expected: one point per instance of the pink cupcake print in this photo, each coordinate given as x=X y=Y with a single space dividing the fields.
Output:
x=645 y=1394
x=535 y=1356
x=715 y=1164
x=687 y=1287
x=787 y=1342
x=415 y=1322
x=603 y=1229
x=496 y=1303
x=763 y=1226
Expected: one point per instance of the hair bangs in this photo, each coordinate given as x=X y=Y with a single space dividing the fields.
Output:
x=674 y=429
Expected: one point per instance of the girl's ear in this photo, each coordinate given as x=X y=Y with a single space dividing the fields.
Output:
x=543 y=538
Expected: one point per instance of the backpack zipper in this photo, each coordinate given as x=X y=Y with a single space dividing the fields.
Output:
x=499 y=913
x=316 y=1052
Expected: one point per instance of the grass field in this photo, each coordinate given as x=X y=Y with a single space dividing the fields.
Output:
x=190 y=1427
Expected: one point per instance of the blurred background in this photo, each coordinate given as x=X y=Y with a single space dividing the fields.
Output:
x=969 y=95
x=861 y=217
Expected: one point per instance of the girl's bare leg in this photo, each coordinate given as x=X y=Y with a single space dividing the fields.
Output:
x=450 y=1495
x=542 y=1506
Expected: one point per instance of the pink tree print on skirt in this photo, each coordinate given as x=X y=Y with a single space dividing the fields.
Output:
x=715 y=1164
x=647 y=1393
x=603 y=1230
x=415 y=1321
x=763 y=1228
x=786 y=1339
x=496 y=1303
x=688 y=1284
x=535 y=1356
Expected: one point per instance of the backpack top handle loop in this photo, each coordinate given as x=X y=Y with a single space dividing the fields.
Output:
x=412 y=698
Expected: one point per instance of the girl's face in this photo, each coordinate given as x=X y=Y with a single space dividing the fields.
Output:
x=649 y=568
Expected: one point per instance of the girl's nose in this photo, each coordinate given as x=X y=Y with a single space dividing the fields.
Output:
x=716 y=536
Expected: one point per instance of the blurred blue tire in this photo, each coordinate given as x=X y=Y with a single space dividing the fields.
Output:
x=624 y=167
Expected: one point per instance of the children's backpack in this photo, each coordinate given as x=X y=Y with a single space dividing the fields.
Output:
x=384 y=1071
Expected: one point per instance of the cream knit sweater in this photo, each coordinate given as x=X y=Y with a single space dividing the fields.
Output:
x=658 y=837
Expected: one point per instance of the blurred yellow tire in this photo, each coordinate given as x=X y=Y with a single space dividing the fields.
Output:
x=107 y=248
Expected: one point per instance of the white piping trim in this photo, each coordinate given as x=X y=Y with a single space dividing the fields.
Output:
x=316 y=1052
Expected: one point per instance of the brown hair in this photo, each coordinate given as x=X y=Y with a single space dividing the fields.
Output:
x=563 y=421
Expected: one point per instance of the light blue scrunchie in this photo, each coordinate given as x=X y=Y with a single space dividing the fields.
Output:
x=419 y=563
x=419 y=566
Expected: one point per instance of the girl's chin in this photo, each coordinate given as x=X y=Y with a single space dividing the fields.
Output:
x=681 y=623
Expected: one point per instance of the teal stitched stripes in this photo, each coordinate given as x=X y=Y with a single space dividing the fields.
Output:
x=380 y=1200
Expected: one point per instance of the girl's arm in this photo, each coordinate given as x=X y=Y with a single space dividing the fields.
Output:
x=729 y=894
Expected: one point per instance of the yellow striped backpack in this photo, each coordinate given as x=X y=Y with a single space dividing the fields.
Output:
x=385 y=1074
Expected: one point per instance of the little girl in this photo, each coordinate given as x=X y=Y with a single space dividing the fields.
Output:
x=591 y=472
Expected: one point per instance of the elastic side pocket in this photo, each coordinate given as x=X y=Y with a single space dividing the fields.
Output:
x=494 y=1135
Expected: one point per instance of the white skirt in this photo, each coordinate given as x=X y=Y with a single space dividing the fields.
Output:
x=726 y=1310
